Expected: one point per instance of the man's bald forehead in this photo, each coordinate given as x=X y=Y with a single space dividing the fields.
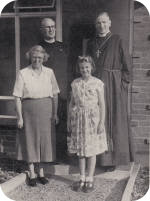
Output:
x=47 y=20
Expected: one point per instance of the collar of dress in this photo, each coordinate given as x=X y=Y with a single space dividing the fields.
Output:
x=33 y=72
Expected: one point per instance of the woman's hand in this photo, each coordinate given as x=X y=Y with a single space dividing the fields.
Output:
x=19 y=112
x=20 y=123
x=56 y=119
x=68 y=126
x=100 y=128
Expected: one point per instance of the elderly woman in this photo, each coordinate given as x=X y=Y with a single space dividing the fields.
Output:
x=36 y=96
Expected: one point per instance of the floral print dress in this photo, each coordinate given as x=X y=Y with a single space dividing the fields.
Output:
x=85 y=118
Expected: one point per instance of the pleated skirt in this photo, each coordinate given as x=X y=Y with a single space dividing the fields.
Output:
x=36 y=140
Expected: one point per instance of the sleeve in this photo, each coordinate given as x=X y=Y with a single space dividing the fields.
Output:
x=55 y=88
x=126 y=62
x=72 y=84
x=19 y=86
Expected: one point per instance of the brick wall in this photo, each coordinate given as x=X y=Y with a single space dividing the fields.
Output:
x=7 y=144
x=140 y=108
x=8 y=140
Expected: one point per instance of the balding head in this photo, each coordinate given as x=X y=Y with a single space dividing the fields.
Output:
x=48 y=29
x=103 y=14
x=46 y=21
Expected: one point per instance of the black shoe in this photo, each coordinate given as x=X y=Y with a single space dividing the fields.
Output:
x=32 y=182
x=78 y=186
x=89 y=187
x=109 y=168
x=43 y=180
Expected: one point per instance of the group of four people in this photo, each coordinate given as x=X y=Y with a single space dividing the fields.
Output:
x=97 y=121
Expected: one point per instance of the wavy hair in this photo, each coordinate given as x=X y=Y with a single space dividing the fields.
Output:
x=37 y=48
x=87 y=59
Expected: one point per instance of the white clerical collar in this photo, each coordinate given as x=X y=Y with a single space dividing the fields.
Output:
x=50 y=41
x=101 y=35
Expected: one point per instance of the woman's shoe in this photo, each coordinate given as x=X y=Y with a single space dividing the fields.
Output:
x=43 y=180
x=78 y=186
x=32 y=182
x=89 y=187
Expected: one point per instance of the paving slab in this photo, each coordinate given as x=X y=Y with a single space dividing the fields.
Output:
x=13 y=183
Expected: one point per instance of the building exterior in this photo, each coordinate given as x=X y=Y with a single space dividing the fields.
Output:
x=19 y=30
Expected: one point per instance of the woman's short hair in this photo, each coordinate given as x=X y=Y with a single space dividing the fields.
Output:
x=87 y=59
x=37 y=48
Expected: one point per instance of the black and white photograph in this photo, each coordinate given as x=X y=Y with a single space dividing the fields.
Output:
x=74 y=100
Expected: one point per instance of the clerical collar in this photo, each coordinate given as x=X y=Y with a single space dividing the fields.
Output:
x=50 y=41
x=100 y=36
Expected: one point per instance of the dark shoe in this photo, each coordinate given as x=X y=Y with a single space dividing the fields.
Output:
x=78 y=186
x=110 y=168
x=89 y=187
x=32 y=182
x=43 y=180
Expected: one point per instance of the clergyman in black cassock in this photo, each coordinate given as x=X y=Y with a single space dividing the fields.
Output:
x=113 y=67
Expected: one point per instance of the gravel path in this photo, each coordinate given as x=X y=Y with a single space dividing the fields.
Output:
x=58 y=189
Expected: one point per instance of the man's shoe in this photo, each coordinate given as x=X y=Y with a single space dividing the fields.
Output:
x=43 y=180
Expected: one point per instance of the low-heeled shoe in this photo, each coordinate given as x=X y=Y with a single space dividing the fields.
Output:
x=78 y=186
x=32 y=182
x=88 y=187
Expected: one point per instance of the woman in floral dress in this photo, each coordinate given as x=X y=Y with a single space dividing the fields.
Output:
x=86 y=122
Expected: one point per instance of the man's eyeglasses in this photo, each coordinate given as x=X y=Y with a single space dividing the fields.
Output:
x=48 y=27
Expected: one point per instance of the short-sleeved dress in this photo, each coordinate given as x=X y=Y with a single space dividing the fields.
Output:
x=85 y=118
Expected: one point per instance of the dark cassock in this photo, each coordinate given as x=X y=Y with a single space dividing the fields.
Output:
x=113 y=66
x=58 y=62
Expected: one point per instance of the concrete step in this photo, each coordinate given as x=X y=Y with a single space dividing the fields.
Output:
x=66 y=169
